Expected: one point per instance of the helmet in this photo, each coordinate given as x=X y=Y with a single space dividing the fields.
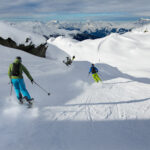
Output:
x=19 y=58
x=92 y=64
x=73 y=57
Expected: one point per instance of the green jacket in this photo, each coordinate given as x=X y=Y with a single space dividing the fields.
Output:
x=22 y=69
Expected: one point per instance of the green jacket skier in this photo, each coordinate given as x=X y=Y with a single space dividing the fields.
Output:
x=15 y=72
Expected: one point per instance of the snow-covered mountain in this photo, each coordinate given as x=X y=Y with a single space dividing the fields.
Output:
x=23 y=40
x=111 y=50
x=78 y=30
x=19 y=36
x=143 y=21
x=80 y=114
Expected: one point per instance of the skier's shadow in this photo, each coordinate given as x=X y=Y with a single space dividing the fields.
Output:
x=108 y=72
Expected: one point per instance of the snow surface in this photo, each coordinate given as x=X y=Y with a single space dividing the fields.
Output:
x=80 y=114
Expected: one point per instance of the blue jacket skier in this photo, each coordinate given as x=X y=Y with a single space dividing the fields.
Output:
x=94 y=72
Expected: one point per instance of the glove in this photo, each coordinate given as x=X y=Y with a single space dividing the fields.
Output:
x=32 y=81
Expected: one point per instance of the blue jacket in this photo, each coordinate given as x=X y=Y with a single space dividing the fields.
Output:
x=90 y=71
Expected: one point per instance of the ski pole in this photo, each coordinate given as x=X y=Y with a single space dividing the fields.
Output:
x=42 y=88
x=11 y=88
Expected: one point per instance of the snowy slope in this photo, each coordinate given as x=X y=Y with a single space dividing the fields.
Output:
x=80 y=114
x=128 y=52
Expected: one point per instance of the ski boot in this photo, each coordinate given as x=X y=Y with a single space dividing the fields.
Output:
x=29 y=100
x=20 y=98
x=20 y=101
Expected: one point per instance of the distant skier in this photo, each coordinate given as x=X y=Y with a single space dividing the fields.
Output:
x=94 y=72
x=69 y=61
x=15 y=72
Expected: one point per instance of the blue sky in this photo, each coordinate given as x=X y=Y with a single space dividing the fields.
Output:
x=74 y=10
x=73 y=17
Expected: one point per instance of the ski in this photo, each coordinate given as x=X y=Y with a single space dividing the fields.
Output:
x=28 y=103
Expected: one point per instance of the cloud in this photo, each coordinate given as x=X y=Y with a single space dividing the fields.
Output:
x=31 y=7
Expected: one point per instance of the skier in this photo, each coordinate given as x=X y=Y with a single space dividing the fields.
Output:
x=94 y=72
x=69 y=61
x=15 y=72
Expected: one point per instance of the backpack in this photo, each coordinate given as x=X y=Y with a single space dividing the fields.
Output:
x=93 y=70
x=15 y=69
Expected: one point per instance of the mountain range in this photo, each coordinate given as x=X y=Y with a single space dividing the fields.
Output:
x=78 y=30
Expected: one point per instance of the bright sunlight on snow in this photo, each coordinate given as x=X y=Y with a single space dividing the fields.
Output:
x=80 y=114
